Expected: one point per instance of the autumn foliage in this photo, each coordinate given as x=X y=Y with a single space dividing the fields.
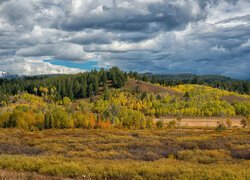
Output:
x=122 y=108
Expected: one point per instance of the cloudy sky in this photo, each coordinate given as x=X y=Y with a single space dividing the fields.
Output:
x=160 y=36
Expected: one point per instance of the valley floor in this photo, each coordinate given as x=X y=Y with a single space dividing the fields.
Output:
x=125 y=154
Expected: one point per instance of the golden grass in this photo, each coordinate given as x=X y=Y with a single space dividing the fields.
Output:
x=128 y=154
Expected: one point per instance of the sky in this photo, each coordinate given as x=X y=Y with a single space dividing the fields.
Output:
x=158 y=36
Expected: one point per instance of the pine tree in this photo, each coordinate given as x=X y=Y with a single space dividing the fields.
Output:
x=76 y=89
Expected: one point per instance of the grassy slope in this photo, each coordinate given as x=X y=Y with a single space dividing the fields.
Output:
x=148 y=87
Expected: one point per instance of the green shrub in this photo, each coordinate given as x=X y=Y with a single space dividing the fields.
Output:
x=149 y=123
x=159 y=124
x=66 y=101
x=172 y=124
x=245 y=121
x=203 y=156
x=220 y=126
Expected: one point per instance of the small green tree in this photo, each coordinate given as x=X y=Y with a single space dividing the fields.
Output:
x=187 y=96
x=35 y=91
x=178 y=119
x=245 y=121
x=106 y=93
x=144 y=95
x=229 y=123
x=220 y=126
x=172 y=124
x=48 y=120
x=159 y=124
x=149 y=122
x=76 y=89
x=66 y=101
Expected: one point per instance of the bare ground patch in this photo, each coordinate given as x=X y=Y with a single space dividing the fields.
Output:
x=202 y=122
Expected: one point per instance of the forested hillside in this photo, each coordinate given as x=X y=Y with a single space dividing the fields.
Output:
x=134 y=105
x=188 y=100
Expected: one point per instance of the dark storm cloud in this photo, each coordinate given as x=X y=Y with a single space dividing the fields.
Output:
x=174 y=36
x=157 y=16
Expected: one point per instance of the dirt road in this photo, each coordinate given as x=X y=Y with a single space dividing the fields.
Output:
x=202 y=122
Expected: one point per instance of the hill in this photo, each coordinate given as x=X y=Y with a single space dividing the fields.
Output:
x=143 y=86
x=133 y=106
x=216 y=81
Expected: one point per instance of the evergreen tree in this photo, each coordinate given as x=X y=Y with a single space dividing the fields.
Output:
x=103 y=77
x=77 y=89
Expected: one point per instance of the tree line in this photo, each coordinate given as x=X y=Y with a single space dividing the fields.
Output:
x=76 y=86
x=216 y=81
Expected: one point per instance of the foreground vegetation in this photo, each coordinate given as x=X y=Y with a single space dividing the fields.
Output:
x=128 y=154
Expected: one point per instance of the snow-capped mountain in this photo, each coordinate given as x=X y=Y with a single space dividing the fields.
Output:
x=3 y=73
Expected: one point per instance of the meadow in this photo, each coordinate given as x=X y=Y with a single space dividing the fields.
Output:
x=128 y=154
x=108 y=125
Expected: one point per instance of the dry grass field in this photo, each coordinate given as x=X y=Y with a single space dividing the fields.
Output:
x=20 y=175
x=125 y=154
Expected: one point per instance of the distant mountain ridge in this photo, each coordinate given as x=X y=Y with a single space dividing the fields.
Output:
x=6 y=75
x=191 y=76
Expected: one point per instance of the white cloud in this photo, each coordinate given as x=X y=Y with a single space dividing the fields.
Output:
x=25 y=66
x=65 y=51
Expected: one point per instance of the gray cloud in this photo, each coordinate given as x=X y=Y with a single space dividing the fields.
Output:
x=18 y=13
x=148 y=17
x=56 y=51
x=175 y=36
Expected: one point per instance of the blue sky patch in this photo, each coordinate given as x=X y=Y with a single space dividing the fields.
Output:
x=85 y=65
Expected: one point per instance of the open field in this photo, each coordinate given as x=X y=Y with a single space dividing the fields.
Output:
x=202 y=121
x=127 y=154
